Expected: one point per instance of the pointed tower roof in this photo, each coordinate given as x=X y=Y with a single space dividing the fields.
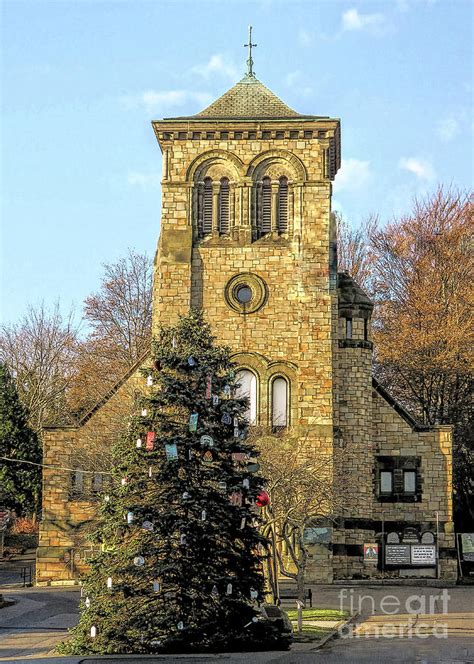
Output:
x=249 y=98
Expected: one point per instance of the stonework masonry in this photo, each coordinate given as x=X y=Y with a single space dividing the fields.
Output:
x=246 y=199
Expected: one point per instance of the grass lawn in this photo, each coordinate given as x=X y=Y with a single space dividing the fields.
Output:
x=315 y=632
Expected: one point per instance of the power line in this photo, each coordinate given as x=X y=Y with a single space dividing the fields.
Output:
x=45 y=465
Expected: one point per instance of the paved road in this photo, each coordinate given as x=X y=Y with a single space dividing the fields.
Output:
x=30 y=629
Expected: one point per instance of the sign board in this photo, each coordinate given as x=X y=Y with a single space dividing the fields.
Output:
x=317 y=535
x=410 y=535
x=393 y=538
x=371 y=553
x=428 y=538
x=397 y=554
x=423 y=554
x=467 y=544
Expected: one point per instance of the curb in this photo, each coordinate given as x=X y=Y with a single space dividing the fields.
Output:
x=335 y=632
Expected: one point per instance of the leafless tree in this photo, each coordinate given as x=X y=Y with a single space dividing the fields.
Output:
x=40 y=351
x=354 y=250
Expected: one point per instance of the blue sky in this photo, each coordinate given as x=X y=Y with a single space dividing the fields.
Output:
x=81 y=81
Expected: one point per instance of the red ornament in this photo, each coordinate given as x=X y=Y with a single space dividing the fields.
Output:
x=150 y=440
x=263 y=499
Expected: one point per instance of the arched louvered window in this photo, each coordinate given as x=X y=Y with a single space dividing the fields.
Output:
x=279 y=403
x=248 y=388
x=283 y=205
x=224 y=206
x=207 y=207
x=266 y=207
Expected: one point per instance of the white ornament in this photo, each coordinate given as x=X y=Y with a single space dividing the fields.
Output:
x=107 y=498
x=215 y=399
x=203 y=515
x=186 y=496
x=229 y=589
x=139 y=561
x=180 y=625
x=173 y=342
x=139 y=442
x=93 y=631
x=182 y=539
x=156 y=586
x=245 y=483
x=214 y=591
x=149 y=380
x=129 y=517
x=109 y=583
x=150 y=471
x=223 y=485
x=147 y=525
x=242 y=523
x=253 y=594
x=87 y=603
x=144 y=412
x=124 y=481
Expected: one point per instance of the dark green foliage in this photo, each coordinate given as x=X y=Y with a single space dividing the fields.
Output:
x=194 y=556
x=20 y=484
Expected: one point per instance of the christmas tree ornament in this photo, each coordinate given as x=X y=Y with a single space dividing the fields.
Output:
x=180 y=625
x=149 y=380
x=173 y=342
x=245 y=483
x=232 y=374
x=123 y=481
x=229 y=589
x=215 y=591
x=236 y=421
x=93 y=631
x=182 y=539
x=139 y=443
x=87 y=603
x=215 y=399
x=139 y=561
x=227 y=390
x=222 y=485
x=191 y=361
x=253 y=467
x=239 y=456
x=226 y=419
x=236 y=432
x=144 y=412
x=129 y=517
x=109 y=583
x=208 y=457
x=150 y=440
x=253 y=594
x=107 y=498
x=171 y=451
x=186 y=496
x=235 y=499
x=150 y=471
x=157 y=585
x=208 y=387
x=190 y=453
x=263 y=499
x=193 y=421
x=148 y=525
x=242 y=523
x=203 y=515
x=206 y=440
x=181 y=474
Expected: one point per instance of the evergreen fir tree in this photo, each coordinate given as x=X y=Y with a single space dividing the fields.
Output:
x=20 y=483
x=181 y=566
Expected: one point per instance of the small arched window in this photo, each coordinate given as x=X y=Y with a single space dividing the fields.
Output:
x=266 y=207
x=279 y=403
x=224 y=206
x=283 y=205
x=207 y=207
x=248 y=388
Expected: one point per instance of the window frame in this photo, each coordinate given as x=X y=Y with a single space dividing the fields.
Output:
x=255 y=420
x=271 y=400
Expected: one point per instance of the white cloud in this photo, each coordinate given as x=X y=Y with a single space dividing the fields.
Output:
x=352 y=20
x=353 y=175
x=294 y=79
x=217 y=64
x=156 y=100
x=422 y=168
x=144 y=180
x=305 y=38
x=448 y=128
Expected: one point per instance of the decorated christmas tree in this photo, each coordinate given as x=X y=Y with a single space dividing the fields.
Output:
x=181 y=562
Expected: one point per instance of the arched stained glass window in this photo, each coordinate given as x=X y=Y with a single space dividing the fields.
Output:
x=248 y=388
x=279 y=402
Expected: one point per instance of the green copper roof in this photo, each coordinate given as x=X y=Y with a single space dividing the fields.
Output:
x=248 y=99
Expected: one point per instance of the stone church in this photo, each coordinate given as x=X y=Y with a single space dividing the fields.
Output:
x=247 y=235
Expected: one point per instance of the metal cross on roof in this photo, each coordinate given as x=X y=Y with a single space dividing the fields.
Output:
x=250 y=61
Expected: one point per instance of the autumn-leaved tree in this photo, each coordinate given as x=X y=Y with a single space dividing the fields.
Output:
x=424 y=341
x=119 y=317
x=40 y=352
